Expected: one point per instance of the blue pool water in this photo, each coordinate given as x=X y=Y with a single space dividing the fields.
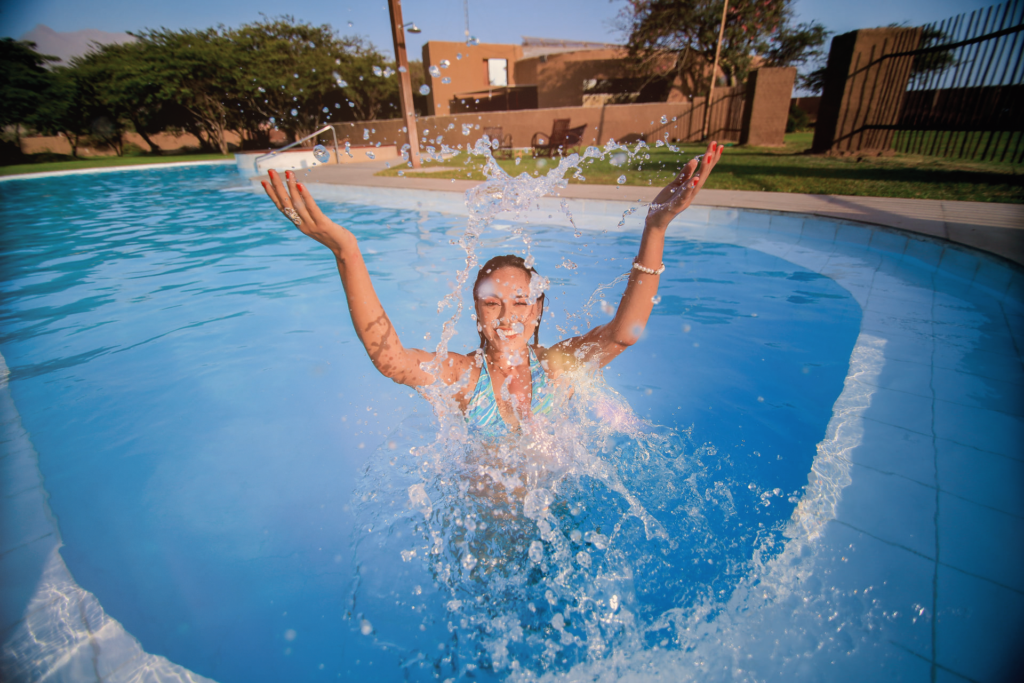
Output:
x=203 y=412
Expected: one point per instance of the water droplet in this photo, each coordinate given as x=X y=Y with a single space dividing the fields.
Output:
x=337 y=105
x=370 y=154
x=312 y=45
x=424 y=89
x=272 y=120
x=365 y=627
x=366 y=134
x=458 y=56
x=622 y=179
x=434 y=71
x=350 y=26
x=446 y=80
x=402 y=69
x=295 y=112
x=664 y=119
x=655 y=300
x=401 y=173
x=536 y=552
x=388 y=72
x=321 y=153
x=352 y=104
x=295 y=75
x=290 y=634
x=326 y=110
x=377 y=71
x=468 y=562
x=445 y=64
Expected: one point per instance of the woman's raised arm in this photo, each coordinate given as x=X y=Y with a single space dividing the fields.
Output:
x=605 y=342
x=372 y=324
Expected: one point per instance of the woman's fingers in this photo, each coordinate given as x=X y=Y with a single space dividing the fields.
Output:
x=271 y=193
x=315 y=214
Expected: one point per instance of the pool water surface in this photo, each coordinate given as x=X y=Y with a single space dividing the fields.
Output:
x=209 y=428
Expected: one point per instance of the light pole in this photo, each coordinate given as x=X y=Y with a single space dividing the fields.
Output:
x=714 y=75
x=404 y=82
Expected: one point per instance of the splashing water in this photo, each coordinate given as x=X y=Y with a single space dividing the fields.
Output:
x=434 y=71
x=589 y=540
x=321 y=154
x=424 y=89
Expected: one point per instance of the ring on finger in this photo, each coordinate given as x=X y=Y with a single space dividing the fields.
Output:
x=293 y=215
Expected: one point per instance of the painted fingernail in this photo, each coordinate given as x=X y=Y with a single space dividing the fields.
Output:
x=288 y=175
x=301 y=188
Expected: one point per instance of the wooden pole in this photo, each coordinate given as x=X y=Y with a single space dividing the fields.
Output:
x=404 y=81
x=714 y=75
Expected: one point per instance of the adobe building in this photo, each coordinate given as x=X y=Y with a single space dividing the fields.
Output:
x=541 y=73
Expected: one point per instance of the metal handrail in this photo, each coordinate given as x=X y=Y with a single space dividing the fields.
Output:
x=337 y=158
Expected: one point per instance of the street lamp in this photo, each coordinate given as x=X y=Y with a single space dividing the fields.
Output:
x=404 y=82
x=411 y=27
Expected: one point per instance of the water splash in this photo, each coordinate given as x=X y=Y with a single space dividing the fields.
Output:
x=587 y=541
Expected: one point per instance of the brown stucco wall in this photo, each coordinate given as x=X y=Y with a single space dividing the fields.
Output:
x=58 y=144
x=620 y=122
x=468 y=73
x=559 y=77
x=766 y=109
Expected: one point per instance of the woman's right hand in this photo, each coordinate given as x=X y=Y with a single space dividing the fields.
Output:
x=296 y=203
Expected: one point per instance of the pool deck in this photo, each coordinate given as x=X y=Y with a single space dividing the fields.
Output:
x=994 y=228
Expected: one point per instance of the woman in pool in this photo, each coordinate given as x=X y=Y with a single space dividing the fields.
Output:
x=508 y=373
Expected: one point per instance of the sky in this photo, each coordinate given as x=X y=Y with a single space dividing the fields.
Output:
x=492 y=21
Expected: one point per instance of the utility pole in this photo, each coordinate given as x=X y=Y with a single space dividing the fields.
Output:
x=404 y=81
x=714 y=76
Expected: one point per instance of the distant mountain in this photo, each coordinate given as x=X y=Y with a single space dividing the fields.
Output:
x=74 y=44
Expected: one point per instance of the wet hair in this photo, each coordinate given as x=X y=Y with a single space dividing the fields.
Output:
x=507 y=261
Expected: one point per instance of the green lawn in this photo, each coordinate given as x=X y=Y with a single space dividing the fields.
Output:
x=105 y=162
x=790 y=169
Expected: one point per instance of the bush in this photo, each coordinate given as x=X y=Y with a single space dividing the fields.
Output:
x=798 y=119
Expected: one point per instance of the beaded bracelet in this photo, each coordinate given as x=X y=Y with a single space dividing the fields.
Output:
x=649 y=271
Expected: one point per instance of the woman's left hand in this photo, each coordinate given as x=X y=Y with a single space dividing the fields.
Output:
x=681 y=192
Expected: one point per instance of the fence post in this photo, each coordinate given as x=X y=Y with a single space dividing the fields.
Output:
x=766 y=106
x=863 y=89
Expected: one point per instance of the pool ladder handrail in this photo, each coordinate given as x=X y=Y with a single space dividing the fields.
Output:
x=337 y=157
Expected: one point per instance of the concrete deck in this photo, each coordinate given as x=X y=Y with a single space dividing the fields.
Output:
x=994 y=228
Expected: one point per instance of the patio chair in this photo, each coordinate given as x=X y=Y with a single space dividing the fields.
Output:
x=562 y=138
x=504 y=147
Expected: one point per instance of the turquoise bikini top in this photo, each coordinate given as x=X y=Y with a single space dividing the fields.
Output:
x=482 y=414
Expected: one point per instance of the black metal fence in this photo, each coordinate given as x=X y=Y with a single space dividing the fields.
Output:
x=965 y=93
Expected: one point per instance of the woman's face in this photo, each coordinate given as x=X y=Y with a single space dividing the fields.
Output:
x=504 y=313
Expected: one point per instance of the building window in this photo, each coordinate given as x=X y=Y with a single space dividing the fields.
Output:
x=497 y=72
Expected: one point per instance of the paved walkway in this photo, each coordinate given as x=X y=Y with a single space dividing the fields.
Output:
x=994 y=228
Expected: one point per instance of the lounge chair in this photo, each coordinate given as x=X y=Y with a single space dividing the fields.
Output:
x=562 y=138
x=504 y=147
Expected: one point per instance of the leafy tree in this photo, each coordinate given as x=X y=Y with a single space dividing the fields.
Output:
x=23 y=82
x=676 y=39
x=62 y=110
x=195 y=73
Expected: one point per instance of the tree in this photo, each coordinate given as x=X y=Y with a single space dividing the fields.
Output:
x=194 y=72
x=23 y=82
x=63 y=108
x=676 y=39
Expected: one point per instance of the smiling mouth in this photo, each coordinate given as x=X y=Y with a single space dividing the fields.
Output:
x=506 y=334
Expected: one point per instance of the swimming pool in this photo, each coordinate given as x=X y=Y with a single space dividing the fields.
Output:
x=186 y=371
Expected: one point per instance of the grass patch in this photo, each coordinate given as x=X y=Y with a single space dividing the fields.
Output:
x=789 y=169
x=69 y=164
